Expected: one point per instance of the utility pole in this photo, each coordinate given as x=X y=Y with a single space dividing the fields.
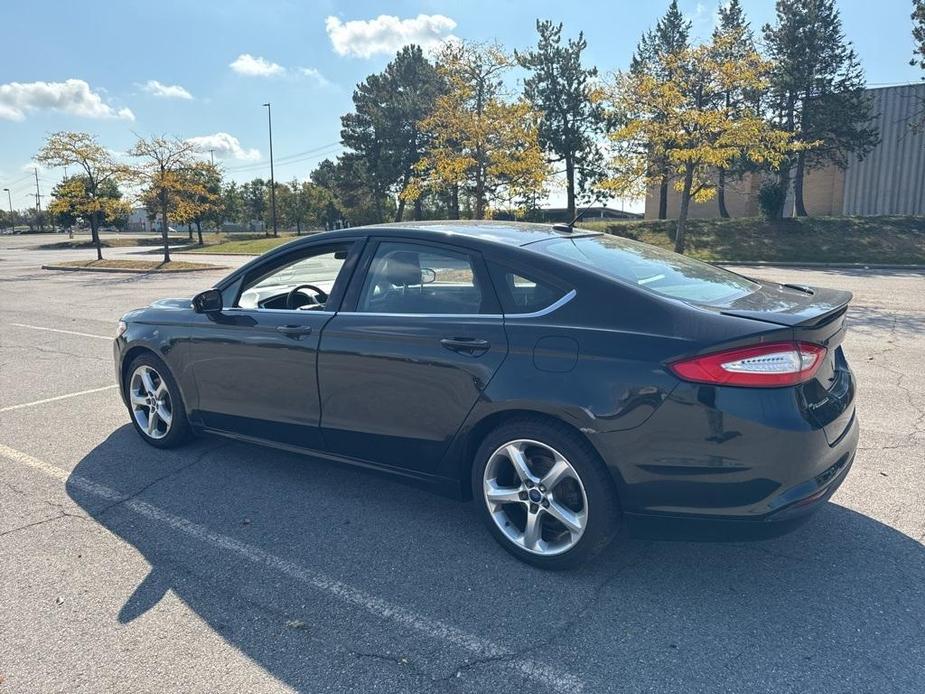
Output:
x=9 y=199
x=212 y=156
x=272 y=178
x=38 y=200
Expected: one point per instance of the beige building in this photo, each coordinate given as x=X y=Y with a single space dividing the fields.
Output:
x=889 y=180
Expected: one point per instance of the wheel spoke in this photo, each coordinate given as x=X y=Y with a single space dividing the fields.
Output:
x=572 y=521
x=164 y=414
x=501 y=495
x=516 y=455
x=137 y=399
x=161 y=391
x=148 y=381
x=152 y=423
x=532 y=531
x=558 y=472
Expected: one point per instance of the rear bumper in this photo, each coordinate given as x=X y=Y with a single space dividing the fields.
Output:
x=787 y=518
x=723 y=463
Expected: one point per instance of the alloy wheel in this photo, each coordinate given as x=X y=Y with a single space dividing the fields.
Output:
x=150 y=402
x=535 y=497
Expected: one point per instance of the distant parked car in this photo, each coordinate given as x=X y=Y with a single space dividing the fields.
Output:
x=567 y=380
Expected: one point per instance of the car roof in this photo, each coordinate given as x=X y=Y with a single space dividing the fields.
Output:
x=491 y=231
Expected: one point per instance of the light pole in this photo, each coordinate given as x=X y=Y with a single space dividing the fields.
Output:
x=9 y=199
x=272 y=178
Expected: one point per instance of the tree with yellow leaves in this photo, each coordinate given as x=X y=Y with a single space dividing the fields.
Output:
x=688 y=121
x=89 y=196
x=162 y=172
x=480 y=143
x=199 y=196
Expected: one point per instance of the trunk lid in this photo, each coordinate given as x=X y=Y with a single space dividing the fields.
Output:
x=789 y=304
x=815 y=315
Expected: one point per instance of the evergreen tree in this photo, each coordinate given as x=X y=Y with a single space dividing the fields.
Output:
x=918 y=34
x=383 y=130
x=670 y=37
x=735 y=41
x=560 y=88
x=817 y=90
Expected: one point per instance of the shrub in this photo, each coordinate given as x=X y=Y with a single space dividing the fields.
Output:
x=771 y=198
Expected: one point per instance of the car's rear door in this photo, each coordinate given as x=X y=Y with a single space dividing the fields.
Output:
x=418 y=338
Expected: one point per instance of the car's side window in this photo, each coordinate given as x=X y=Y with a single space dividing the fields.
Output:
x=417 y=278
x=302 y=284
x=521 y=293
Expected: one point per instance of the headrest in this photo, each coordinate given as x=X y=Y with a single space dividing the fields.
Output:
x=403 y=269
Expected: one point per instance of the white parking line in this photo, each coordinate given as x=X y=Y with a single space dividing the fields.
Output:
x=541 y=673
x=59 y=330
x=57 y=397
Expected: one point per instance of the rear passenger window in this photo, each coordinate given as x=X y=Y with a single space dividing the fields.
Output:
x=410 y=278
x=521 y=294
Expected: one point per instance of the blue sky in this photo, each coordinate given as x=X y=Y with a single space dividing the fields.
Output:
x=203 y=69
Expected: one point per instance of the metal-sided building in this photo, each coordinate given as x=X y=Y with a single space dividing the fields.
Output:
x=889 y=180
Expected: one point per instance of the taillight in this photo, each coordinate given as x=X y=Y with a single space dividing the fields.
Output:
x=761 y=366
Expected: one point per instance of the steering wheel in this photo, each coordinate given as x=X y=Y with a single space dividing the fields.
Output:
x=290 y=298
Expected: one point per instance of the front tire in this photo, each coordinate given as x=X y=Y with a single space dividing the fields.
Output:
x=154 y=403
x=544 y=493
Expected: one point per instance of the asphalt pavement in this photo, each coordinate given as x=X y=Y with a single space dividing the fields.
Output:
x=224 y=567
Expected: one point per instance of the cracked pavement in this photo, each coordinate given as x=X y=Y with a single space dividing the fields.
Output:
x=226 y=567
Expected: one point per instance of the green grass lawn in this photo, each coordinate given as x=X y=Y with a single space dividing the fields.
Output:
x=250 y=245
x=124 y=264
x=84 y=241
x=899 y=240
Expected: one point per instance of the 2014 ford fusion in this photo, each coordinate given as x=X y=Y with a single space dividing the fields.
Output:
x=569 y=381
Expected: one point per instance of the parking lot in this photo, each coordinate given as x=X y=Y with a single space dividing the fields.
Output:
x=226 y=567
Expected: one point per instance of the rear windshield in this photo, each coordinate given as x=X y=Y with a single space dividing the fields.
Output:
x=651 y=268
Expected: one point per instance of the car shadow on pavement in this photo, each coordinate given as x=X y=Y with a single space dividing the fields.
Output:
x=327 y=576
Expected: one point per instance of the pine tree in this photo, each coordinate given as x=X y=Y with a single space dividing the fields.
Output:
x=918 y=34
x=670 y=37
x=560 y=88
x=817 y=90
x=383 y=130
x=734 y=36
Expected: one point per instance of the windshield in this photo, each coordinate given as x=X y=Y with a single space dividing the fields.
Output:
x=651 y=268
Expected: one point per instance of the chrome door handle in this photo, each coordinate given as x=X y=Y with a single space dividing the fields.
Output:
x=294 y=330
x=465 y=345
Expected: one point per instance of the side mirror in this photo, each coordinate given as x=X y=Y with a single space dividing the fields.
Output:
x=209 y=301
x=428 y=276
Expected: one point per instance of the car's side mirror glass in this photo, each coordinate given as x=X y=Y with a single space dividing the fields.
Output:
x=209 y=301
x=428 y=276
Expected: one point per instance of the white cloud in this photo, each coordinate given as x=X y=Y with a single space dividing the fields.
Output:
x=315 y=74
x=72 y=96
x=387 y=33
x=225 y=146
x=166 y=91
x=255 y=66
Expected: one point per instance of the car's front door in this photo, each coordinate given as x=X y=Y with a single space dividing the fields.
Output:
x=401 y=365
x=254 y=363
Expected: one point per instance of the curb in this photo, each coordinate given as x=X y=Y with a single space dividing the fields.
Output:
x=834 y=266
x=132 y=271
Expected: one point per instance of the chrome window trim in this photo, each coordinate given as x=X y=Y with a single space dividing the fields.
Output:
x=559 y=303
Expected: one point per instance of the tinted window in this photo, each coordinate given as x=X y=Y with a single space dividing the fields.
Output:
x=651 y=268
x=408 y=278
x=522 y=294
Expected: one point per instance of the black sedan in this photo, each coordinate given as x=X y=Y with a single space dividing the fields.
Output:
x=569 y=381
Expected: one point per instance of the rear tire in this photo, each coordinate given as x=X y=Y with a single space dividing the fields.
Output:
x=155 y=405
x=544 y=493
